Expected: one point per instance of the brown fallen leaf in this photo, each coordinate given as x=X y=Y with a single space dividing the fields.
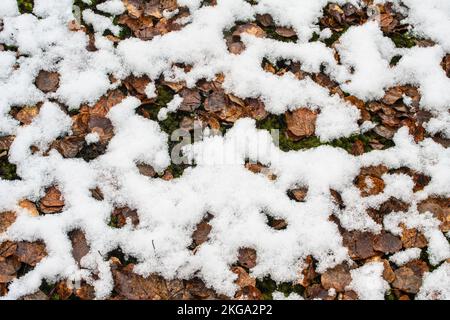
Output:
x=7 y=249
x=191 y=99
x=38 y=295
x=30 y=207
x=244 y=279
x=299 y=194
x=124 y=213
x=440 y=208
x=5 y=142
x=27 y=114
x=102 y=126
x=85 y=292
x=369 y=185
x=63 y=290
x=105 y=103
x=201 y=233
x=8 y=269
x=47 y=81
x=216 y=101
x=393 y=205
x=247 y=257
x=80 y=246
x=338 y=278
x=301 y=123
x=146 y=170
x=359 y=244
x=69 y=146
x=406 y=280
x=250 y=28
x=30 y=252
x=387 y=243
x=52 y=201
x=285 y=32
x=392 y=95
x=316 y=291
x=412 y=238
x=307 y=274
x=7 y=218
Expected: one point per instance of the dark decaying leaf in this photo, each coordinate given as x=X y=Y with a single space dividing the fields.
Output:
x=80 y=246
x=52 y=202
x=247 y=257
x=47 y=81
x=338 y=278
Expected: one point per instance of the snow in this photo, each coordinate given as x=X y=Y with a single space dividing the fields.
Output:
x=368 y=282
x=436 y=284
x=218 y=183
x=113 y=7
x=403 y=257
x=8 y=8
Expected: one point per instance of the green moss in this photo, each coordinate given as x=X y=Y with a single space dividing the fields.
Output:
x=267 y=287
x=25 y=6
x=7 y=170
x=334 y=37
x=405 y=40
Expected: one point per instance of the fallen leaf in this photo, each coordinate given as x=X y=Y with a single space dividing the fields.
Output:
x=47 y=81
x=30 y=207
x=369 y=185
x=338 y=278
x=52 y=202
x=301 y=123
x=247 y=257
x=250 y=28
x=359 y=244
x=412 y=238
x=80 y=246
x=285 y=32
x=30 y=252
x=7 y=218
x=406 y=280
x=387 y=243
x=8 y=269
x=27 y=114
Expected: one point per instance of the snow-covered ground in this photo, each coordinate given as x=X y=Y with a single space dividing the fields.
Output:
x=219 y=183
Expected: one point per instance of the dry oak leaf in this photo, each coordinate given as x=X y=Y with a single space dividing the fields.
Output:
x=301 y=123
x=30 y=252
x=406 y=280
x=247 y=257
x=52 y=202
x=338 y=278
x=63 y=290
